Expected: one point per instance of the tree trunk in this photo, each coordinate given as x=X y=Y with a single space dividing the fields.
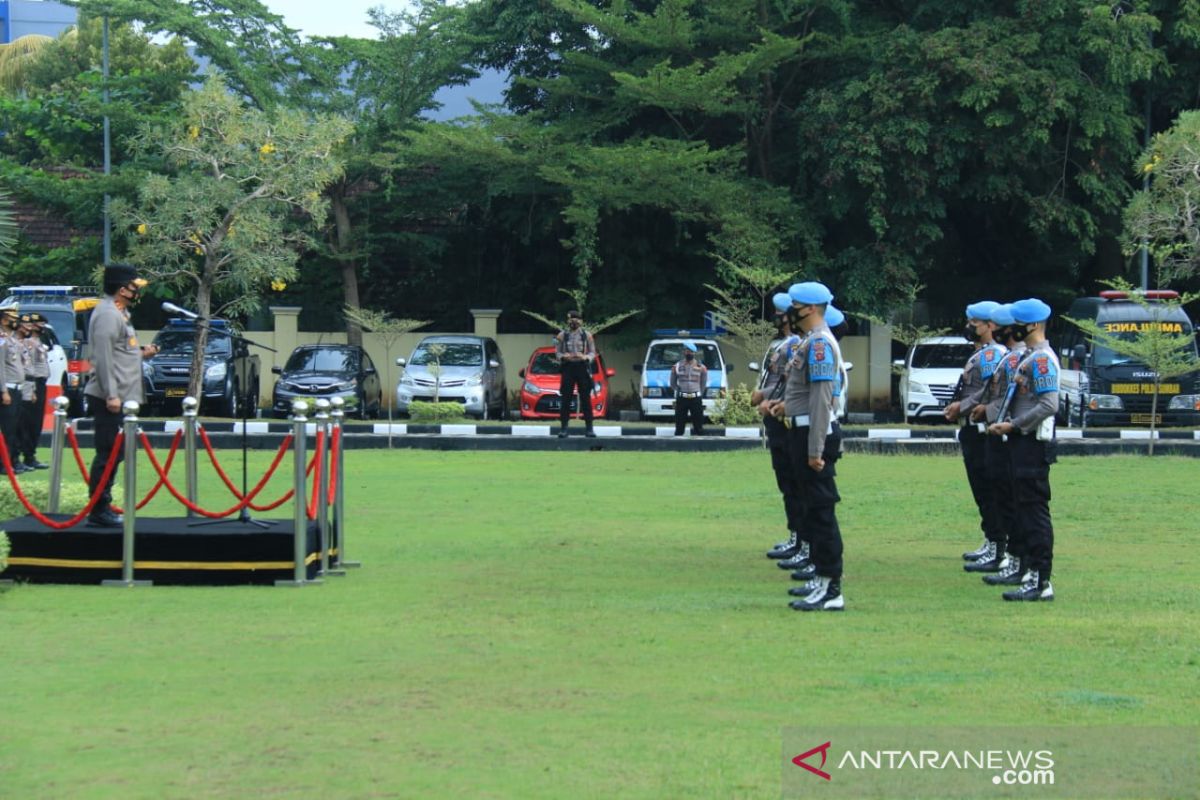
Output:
x=343 y=248
x=203 y=308
x=1154 y=413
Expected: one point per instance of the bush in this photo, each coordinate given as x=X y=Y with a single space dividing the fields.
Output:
x=736 y=409
x=4 y=548
x=71 y=498
x=420 y=411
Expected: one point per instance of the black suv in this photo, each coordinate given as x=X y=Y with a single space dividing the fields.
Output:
x=230 y=371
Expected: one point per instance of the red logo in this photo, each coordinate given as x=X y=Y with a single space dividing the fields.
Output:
x=823 y=750
x=1043 y=364
x=819 y=350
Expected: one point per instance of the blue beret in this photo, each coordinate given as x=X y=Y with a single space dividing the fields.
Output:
x=1002 y=314
x=782 y=301
x=982 y=310
x=810 y=293
x=690 y=345
x=1030 y=310
x=834 y=317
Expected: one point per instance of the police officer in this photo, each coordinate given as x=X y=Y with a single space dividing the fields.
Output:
x=972 y=436
x=38 y=374
x=576 y=351
x=814 y=444
x=116 y=377
x=997 y=454
x=1029 y=426
x=836 y=320
x=689 y=376
x=770 y=389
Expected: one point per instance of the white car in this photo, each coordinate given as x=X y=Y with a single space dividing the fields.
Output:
x=662 y=354
x=930 y=372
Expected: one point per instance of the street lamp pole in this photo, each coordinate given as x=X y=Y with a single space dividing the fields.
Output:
x=107 y=144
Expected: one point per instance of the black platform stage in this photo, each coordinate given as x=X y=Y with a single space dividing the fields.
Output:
x=166 y=551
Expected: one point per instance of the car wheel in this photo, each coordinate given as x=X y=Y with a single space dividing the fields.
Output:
x=504 y=412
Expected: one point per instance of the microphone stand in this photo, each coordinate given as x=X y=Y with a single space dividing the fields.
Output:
x=244 y=514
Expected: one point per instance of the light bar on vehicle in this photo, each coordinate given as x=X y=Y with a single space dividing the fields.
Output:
x=187 y=323
x=700 y=333
x=50 y=291
x=1149 y=294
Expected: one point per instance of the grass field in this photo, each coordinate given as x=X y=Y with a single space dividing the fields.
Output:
x=598 y=625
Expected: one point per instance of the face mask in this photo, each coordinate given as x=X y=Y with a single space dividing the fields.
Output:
x=969 y=332
x=794 y=318
x=574 y=324
x=1020 y=333
x=689 y=355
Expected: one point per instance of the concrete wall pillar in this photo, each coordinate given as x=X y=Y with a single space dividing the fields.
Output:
x=485 y=321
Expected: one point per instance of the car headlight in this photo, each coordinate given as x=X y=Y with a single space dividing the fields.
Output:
x=216 y=372
x=1107 y=402
x=346 y=386
x=532 y=388
x=917 y=388
x=596 y=387
x=147 y=370
x=406 y=381
x=652 y=391
x=714 y=392
x=1184 y=402
x=475 y=379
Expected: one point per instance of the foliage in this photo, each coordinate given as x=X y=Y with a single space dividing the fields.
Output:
x=743 y=304
x=736 y=409
x=5 y=549
x=389 y=331
x=221 y=224
x=8 y=229
x=579 y=303
x=72 y=498
x=1167 y=214
x=423 y=411
x=1166 y=353
x=16 y=57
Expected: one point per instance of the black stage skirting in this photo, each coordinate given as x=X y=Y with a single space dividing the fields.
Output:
x=166 y=550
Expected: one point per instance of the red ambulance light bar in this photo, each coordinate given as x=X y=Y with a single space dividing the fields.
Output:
x=1149 y=294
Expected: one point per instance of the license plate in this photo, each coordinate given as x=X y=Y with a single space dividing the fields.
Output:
x=177 y=392
x=1145 y=419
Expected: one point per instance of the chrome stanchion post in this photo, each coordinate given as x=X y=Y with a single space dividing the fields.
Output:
x=57 y=437
x=131 y=409
x=339 y=493
x=190 y=408
x=322 y=416
x=300 y=510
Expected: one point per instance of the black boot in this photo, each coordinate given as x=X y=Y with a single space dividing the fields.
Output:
x=1009 y=575
x=798 y=560
x=990 y=562
x=825 y=596
x=785 y=549
x=978 y=552
x=562 y=432
x=1034 y=589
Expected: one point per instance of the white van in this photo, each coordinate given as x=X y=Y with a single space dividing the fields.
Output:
x=930 y=372
x=662 y=354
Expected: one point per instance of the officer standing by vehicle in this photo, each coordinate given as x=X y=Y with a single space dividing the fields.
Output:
x=12 y=373
x=814 y=445
x=689 y=376
x=116 y=377
x=1030 y=431
x=576 y=351
x=972 y=436
x=770 y=388
x=38 y=373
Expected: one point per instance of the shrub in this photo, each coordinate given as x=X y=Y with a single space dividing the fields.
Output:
x=71 y=498
x=735 y=409
x=422 y=411
x=3 y=551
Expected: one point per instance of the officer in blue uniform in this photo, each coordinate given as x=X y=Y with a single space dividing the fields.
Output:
x=814 y=445
x=972 y=436
x=1029 y=427
x=770 y=389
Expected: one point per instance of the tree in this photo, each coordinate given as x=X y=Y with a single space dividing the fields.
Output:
x=227 y=218
x=1167 y=214
x=743 y=304
x=8 y=229
x=16 y=57
x=389 y=330
x=1166 y=351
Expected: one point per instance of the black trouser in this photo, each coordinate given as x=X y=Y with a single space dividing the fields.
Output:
x=106 y=426
x=575 y=374
x=8 y=424
x=974 y=452
x=32 y=414
x=998 y=463
x=689 y=407
x=1031 y=462
x=819 y=498
x=781 y=463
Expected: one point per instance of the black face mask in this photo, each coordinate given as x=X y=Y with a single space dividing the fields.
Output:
x=689 y=355
x=794 y=318
x=1019 y=334
x=574 y=324
x=969 y=332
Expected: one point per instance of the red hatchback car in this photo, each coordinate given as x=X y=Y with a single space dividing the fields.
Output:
x=540 y=398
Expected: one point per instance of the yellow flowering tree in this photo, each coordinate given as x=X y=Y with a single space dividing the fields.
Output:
x=231 y=208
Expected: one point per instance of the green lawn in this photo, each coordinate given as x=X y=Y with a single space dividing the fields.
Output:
x=553 y=625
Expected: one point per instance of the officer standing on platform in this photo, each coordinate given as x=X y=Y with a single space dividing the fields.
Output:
x=770 y=388
x=814 y=444
x=116 y=377
x=972 y=436
x=1030 y=431
x=12 y=373
x=576 y=351
x=689 y=376
x=38 y=373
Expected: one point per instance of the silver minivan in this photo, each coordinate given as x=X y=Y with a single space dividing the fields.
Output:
x=463 y=369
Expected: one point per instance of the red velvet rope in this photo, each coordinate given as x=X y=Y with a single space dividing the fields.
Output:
x=170 y=460
x=283 y=448
x=42 y=518
x=192 y=506
x=319 y=457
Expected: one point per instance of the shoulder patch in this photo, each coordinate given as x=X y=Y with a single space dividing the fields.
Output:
x=989 y=361
x=1045 y=374
x=822 y=361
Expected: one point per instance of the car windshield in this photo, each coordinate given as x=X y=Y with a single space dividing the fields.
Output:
x=183 y=342
x=547 y=364
x=941 y=356
x=668 y=354
x=1103 y=356
x=323 y=360
x=448 y=354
